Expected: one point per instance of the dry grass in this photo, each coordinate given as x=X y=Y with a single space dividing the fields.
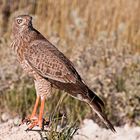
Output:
x=118 y=17
x=90 y=18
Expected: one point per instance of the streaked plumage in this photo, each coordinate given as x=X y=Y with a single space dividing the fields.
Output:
x=49 y=67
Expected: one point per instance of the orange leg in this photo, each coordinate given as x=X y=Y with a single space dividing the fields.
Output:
x=40 y=119
x=32 y=117
x=35 y=107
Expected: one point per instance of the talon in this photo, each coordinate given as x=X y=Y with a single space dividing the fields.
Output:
x=24 y=121
x=27 y=129
x=33 y=124
x=28 y=120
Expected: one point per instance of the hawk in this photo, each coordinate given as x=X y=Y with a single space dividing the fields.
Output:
x=49 y=68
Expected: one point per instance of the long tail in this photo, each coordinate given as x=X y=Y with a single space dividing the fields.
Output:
x=97 y=105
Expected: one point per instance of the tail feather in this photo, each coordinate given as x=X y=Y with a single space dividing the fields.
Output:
x=106 y=121
x=94 y=97
x=97 y=105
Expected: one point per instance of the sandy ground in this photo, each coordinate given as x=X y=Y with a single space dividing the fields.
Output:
x=91 y=131
x=88 y=131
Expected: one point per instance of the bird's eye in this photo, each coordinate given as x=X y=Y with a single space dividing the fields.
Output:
x=19 y=21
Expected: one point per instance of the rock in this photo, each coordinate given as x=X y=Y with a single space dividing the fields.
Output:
x=5 y=117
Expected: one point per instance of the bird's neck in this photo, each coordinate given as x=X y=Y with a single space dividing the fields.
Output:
x=22 y=38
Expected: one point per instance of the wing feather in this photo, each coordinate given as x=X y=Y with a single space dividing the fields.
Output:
x=49 y=62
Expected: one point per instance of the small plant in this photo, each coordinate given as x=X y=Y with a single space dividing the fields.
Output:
x=57 y=131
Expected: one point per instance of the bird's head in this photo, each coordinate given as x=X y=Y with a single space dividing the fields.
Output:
x=22 y=23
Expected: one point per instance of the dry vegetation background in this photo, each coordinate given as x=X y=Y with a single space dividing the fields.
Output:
x=102 y=38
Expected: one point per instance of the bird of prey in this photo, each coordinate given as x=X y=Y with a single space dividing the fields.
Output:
x=49 y=68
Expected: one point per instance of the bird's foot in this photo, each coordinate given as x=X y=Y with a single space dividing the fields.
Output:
x=29 y=120
x=34 y=121
x=41 y=123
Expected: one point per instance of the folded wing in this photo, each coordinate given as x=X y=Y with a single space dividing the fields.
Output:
x=49 y=62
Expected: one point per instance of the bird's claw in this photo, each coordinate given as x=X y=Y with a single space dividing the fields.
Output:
x=34 y=121
x=28 y=120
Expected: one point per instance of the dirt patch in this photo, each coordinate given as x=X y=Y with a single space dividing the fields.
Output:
x=91 y=131
x=11 y=132
x=88 y=131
